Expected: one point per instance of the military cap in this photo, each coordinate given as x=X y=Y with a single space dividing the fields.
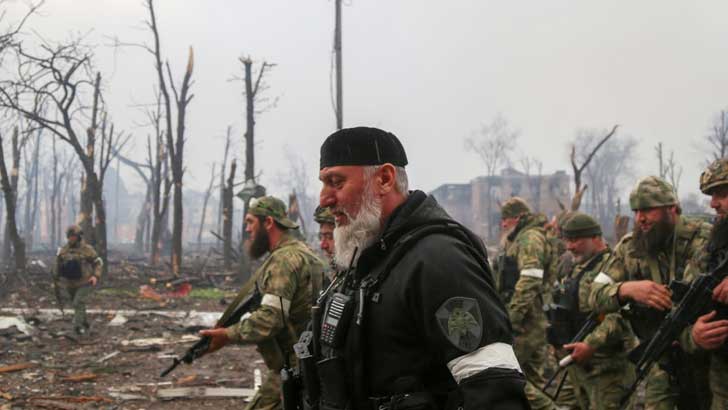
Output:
x=652 y=192
x=715 y=175
x=273 y=207
x=323 y=215
x=580 y=225
x=362 y=146
x=514 y=207
x=74 y=230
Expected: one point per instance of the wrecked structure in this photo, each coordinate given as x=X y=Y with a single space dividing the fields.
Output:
x=476 y=204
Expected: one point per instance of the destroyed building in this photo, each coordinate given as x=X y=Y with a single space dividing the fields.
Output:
x=476 y=204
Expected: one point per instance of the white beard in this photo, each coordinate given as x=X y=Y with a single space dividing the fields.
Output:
x=359 y=233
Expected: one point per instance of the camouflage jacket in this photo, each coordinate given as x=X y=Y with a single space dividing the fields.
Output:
x=613 y=337
x=628 y=264
x=288 y=280
x=531 y=251
x=703 y=262
x=75 y=264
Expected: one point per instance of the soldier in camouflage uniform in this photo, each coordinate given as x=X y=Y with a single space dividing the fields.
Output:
x=289 y=280
x=658 y=251
x=529 y=251
x=601 y=373
x=77 y=270
x=325 y=219
x=711 y=330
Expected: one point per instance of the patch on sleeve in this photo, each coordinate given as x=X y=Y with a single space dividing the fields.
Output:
x=460 y=321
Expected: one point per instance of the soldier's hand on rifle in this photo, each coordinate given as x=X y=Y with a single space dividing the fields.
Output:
x=720 y=293
x=93 y=280
x=647 y=293
x=709 y=335
x=580 y=351
x=218 y=338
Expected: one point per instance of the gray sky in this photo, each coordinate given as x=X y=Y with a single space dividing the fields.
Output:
x=430 y=71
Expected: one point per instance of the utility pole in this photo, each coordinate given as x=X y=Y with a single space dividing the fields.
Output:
x=339 y=71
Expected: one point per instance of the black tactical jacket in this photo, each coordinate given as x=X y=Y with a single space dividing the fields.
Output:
x=435 y=314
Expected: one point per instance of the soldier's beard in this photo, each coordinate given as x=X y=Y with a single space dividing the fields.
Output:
x=259 y=245
x=361 y=231
x=656 y=239
x=719 y=235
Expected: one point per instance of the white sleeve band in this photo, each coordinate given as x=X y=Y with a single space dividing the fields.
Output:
x=99 y=261
x=533 y=273
x=495 y=355
x=604 y=279
x=276 y=302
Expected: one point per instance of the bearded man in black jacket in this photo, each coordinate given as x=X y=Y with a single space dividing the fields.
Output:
x=415 y=321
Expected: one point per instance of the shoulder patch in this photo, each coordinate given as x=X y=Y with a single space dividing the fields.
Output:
x=460 y=321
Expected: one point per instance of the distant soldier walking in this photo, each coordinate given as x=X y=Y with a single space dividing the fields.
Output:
x=77 y=270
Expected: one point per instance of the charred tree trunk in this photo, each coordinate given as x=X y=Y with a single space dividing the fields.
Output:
x=10 y=212
x=227 y=230
x=11 y=227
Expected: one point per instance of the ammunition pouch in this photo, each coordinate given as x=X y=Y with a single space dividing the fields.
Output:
x=644 y=320
x=332 y=374
x=564 y=324
x=71 y=269
x=565 y=319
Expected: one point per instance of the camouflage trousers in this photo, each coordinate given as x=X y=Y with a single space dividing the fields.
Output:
x=268 y=396
x=532 y=354
x=719 y=380
x=78 y=298
x=602 y=389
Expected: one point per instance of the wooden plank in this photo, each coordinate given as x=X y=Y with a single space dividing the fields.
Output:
x=203 y=392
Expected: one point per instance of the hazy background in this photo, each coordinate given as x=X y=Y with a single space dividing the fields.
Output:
x=430 y=71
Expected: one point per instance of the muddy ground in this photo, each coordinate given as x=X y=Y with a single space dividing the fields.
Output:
x=115 y=367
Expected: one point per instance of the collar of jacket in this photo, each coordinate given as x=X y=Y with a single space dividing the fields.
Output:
x=417 y=210
x=286 y=240
x=527 y=222
x=604 y=253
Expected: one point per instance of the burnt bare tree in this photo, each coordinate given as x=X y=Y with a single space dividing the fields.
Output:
x=493 y=143
x=221 y=210
x=49 y=89
x=9 y=188
x=227 y=224
x=609 y=171
x=716 y=140
x=579 y=168
x=670 y=170
x=175 y=135
x=256 y=102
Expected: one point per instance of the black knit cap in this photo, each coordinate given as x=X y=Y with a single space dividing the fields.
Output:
x=580 y=225
x=362 y=146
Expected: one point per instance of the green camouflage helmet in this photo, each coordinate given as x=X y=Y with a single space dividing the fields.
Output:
x=715 y=175
x=580 y=225
x=273 y=207
x=74 y=230
x=652 y=192
x=514 y=207
x=323 y=215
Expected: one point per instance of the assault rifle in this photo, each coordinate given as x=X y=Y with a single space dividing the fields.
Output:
x=240 y=306
x=591 y=322
x=697 y=300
